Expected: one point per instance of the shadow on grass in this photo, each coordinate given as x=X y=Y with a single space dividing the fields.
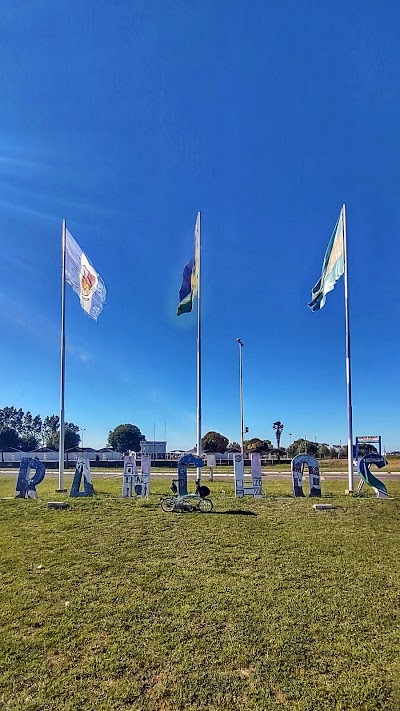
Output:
x=234 y=512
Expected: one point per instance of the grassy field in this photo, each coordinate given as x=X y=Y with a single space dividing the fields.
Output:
x=113 y=604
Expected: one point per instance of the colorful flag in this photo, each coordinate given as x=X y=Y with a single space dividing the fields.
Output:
x=83 y=278
x=190 y=279
x=332 y=267
x=197 y=254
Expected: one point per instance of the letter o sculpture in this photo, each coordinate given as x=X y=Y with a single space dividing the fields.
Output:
x=297 y=475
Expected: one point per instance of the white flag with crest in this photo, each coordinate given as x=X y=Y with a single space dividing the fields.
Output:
x=84 y=279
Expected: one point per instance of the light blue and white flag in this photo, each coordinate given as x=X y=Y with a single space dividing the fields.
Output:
x=83 y=278
x=332 y=267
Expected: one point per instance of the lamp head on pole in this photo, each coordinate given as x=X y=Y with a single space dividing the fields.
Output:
x=239 y=341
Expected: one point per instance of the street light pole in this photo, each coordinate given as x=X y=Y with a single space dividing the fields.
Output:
x=290 y=435
x=82 y=429
x=241 y=395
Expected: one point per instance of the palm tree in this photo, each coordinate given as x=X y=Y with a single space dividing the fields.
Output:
x=278 y=427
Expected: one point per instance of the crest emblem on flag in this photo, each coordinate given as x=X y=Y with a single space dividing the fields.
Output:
x=88 y=280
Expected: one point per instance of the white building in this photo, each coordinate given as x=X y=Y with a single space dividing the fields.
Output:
x=71 y=455
x=157 y=448
x=106 y=454
x=10 y=454
x=45 y=454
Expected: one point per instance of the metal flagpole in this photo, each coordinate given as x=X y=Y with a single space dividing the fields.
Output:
x=348 y=362
x=62 y=373
x=198 y=270
x=241 y=396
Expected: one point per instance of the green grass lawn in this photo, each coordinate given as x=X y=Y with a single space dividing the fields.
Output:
x=135 y=608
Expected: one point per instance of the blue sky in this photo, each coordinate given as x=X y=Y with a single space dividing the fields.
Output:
x=128 y=118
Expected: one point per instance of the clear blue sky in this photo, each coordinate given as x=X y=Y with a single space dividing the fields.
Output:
x=129 y=117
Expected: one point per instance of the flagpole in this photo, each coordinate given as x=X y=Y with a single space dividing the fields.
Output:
x=198 y=269
x=348 y=362
x=62 y=371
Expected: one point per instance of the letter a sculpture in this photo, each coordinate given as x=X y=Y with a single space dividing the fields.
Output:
x=82 y=469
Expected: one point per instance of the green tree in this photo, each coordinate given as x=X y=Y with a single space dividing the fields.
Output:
x=214 y=442
x=72 y=437
x=365 y=448
x=51 y=433
x=51 y=426
x=28 y=443
x=300 y=446
x=27 y=423
x=8 y=438
x=11 y=419
x=323 y=451
x=37 y=426
x=125 y=438
x=257 y=445
x=278 y=426
x=234 y=445
x=27 y=428
x=31 y=428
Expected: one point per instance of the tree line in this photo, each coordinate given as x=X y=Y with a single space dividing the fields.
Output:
x=22 y=430
x=218 y=443
x=128 y=437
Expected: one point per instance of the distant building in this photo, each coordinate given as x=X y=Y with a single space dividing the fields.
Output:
x=75 y=452
x=11 y=454
x=106 y=454
x=157 y=449
x=45 y=454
